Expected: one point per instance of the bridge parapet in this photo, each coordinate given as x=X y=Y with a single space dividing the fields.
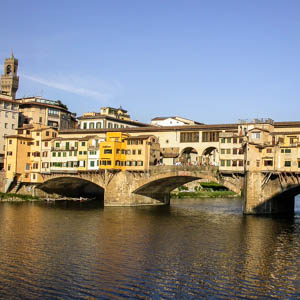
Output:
x=155 y=170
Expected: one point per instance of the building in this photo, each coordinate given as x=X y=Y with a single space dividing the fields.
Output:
x=27 y=154
x=142 y=152
x=37 y=110
x=8 y=122
x=10 y=79
x=113 y=151
x=173 y=121
x=108 y=118
x=64 y=155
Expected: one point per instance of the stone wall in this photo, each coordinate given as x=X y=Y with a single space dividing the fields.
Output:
x=2 y=181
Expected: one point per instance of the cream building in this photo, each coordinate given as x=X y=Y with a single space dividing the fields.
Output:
x=37 y=110
x=108 y=118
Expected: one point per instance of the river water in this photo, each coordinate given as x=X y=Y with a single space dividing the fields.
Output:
x=194 y=248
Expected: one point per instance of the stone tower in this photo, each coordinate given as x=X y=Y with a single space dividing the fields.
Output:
x=10 y=80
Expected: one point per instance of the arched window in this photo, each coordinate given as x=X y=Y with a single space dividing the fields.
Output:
x=109 y=125
x=116 y=126
x=91 y=126
x=98 y=125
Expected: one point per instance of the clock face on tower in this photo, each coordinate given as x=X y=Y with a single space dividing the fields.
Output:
x=8 y=69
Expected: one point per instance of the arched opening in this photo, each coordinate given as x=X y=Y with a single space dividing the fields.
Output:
x=73 y=187
x=98 y=125
x=91 y=125
x=189 y=156
x=210 y=157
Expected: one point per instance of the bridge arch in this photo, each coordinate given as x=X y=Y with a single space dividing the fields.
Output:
x=189 y=156
x=165 y=183
x=71 y=186
x=210 y=156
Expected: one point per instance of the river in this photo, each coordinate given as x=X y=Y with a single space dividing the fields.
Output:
x=194 y=248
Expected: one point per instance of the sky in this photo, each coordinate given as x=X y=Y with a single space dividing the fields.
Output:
x=213 y=61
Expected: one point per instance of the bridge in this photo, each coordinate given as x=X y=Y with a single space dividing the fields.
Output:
x=267 y=192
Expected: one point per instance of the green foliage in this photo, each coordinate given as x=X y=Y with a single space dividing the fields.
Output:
x=205 y=194
x=183 y=188
x=20 y=196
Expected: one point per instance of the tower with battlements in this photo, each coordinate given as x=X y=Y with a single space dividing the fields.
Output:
x=10 y=79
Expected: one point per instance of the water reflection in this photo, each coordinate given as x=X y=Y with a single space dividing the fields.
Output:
x=193 y=248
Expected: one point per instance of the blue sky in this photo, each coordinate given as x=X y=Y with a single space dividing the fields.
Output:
x=210 y=61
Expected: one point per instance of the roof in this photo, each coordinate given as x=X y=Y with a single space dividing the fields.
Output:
x=8 y=100
x=101 y=116
x=42 y=104
x=18 y=136
x=141 y=137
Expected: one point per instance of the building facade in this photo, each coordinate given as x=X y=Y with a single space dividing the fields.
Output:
x=37 y=110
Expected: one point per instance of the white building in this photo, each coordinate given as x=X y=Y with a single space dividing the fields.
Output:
x=173 y=121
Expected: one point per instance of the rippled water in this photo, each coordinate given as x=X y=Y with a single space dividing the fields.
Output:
x=195 y=248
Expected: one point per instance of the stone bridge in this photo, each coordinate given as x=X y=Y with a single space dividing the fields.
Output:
x=266 y=192
x=134 y=188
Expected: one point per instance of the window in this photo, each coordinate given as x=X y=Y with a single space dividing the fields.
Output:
x=269 y=150
x=228 y=140
x=234 y=140
x=139 y=152
x=222 y=151
x=41 y=119
x=46 y=144
x=8 y=167
x=9 y=153
x=189 y=137
x=222 y=162
x=92 y=163
x=234 y=151
x=64 y=154
x=28 y=154
x=5 y=125
x=241 y=163
x=109 y=125
x=257 y=163
x=223 y=140
x=47 y=133
x=53 y=154
x=107 y=151
x=37 y=143
x=91 y=125
x=53 y=111
x=210 y=136
x=12 y=126
x=27 y=167
x=228 y=163
x=287 y=163
x=98 y=125
x=82 y=144
x=59 y=154
x=234 y=163
x=133 y=152
x=268 y=163
x=6 y=114
x=84 y=125
x=10 y=142
x=228 y=151
x=255 y=135
x=45 y=154
x=57 y=145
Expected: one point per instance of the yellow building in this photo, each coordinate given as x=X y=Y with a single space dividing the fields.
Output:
x=142 y=152
x=113 y=151
x=28 y=154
